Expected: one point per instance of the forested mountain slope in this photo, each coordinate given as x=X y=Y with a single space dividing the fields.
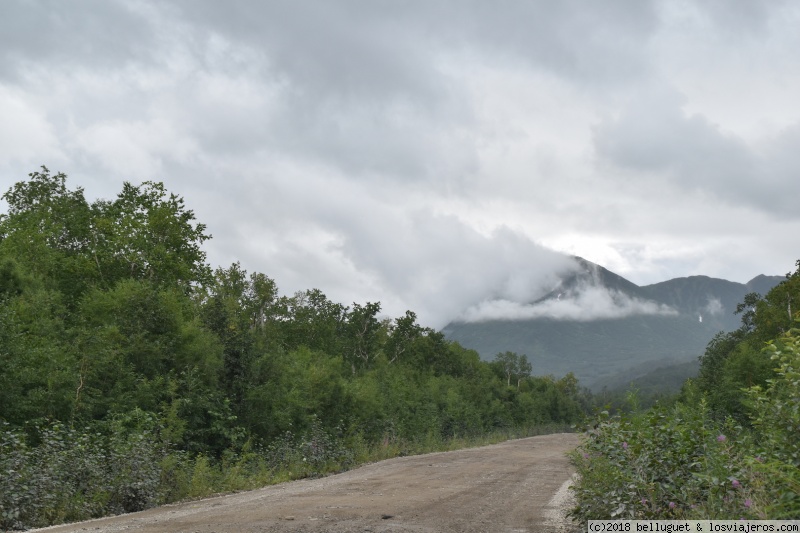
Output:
x=669 y=323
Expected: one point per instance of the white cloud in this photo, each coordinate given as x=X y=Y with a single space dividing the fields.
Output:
x=25 y=130
x=592 y=304
x=714 y=307
x=427 y=157
x=134 y=149
x=586 y=302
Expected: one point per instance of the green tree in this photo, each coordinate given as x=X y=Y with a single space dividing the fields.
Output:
x=291 y=389
x=225 y=314
x=361 y=334
x=774 y=313
x=38 y=363
x=48 y=232
x=310 y=319
x=10 y=280
x=734 y=360
x=147 y=233
x=512 y=367
x=402 y=334
x=135 y=338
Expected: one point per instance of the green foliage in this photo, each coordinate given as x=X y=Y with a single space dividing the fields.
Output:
x=660 y=465
x=48 y=232
x=667 y=463
x=403 y=332
x=361 y=334
x=147 y=233
x=776 y=416
x=71 y=475
x=37 y=361
x=10 y=280
x=511 y=366
x=310 y=319
x=149 y=378
x=144 y=234
x=735 y=360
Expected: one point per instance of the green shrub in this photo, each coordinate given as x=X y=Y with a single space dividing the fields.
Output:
x=73 y=475
x=683 y=462
x=776 y=417
x=662 y=464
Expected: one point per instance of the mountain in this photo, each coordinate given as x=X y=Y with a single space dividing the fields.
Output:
x=763 y=284
x=606 y=329
x=713 y=299
x=592 y=274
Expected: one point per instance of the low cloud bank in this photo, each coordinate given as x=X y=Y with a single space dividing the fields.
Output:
x=584 y=304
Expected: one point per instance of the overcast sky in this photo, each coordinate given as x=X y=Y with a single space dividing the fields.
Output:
x=431 y=155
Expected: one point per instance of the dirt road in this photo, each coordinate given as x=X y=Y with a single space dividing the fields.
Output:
x=515 y=486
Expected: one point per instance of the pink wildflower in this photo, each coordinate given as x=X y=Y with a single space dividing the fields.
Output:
x=748 y=502
x=672 y=505
x=722 y=438
x=735 y=483
x=625 y=445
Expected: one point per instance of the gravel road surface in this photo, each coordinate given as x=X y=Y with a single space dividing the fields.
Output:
x=515 y=486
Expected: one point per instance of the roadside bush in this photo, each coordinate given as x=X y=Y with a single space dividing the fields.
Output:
x=53 y=473
x=776 y=417
x=684 y=463
x=662 y=464
x=316 y=452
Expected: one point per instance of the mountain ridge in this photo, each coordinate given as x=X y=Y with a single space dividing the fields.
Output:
x=664 y=323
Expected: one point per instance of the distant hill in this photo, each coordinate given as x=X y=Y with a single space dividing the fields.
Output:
x=610 y=330
x=651 y=380
x=713 y=299
x=763 y=284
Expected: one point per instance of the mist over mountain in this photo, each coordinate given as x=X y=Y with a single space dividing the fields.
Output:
x=586 y=292
x=604 y=328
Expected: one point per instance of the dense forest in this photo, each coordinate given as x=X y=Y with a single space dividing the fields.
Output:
x=727 y=447
x=132 y=373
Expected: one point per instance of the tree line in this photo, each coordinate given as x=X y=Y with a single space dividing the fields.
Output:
x=118 y=339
